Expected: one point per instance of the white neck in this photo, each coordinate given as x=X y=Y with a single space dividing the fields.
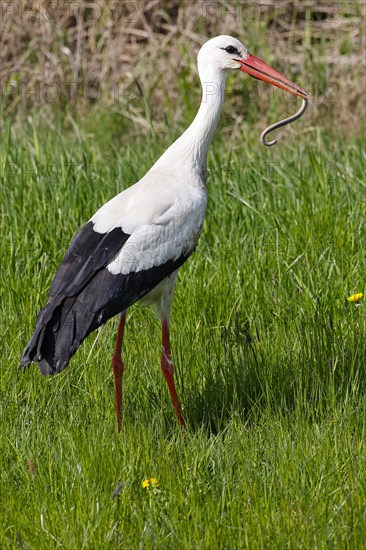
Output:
x=192 y=146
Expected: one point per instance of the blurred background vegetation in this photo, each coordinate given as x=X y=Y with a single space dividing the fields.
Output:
x=130 y=66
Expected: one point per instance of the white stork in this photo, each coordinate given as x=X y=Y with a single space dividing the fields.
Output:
x=132 y=247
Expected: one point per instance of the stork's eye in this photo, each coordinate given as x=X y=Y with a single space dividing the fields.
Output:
x=231 y=50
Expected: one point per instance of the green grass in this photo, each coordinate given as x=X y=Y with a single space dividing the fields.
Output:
x=270 y=357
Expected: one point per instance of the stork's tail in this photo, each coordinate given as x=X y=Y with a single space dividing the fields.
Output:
x=61 y=328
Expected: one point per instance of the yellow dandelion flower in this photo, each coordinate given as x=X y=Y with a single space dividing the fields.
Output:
x=355 y=297
x=150 y=482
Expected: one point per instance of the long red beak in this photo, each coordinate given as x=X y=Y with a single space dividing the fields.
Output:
x=260 y=70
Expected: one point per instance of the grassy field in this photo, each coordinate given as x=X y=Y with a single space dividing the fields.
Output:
x=270 y=356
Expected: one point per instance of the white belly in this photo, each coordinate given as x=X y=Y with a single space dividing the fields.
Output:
x=160 y=298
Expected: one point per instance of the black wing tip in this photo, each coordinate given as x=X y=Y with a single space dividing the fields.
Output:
x=25 y=360
x=45 y=368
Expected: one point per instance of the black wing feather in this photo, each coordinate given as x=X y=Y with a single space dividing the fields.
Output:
x=84 y=295
x=88 y=252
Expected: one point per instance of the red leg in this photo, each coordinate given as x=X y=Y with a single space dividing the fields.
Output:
x=168 y=370
x=118 y=368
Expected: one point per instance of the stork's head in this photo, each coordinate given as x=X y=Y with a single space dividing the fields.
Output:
x=225 y=52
